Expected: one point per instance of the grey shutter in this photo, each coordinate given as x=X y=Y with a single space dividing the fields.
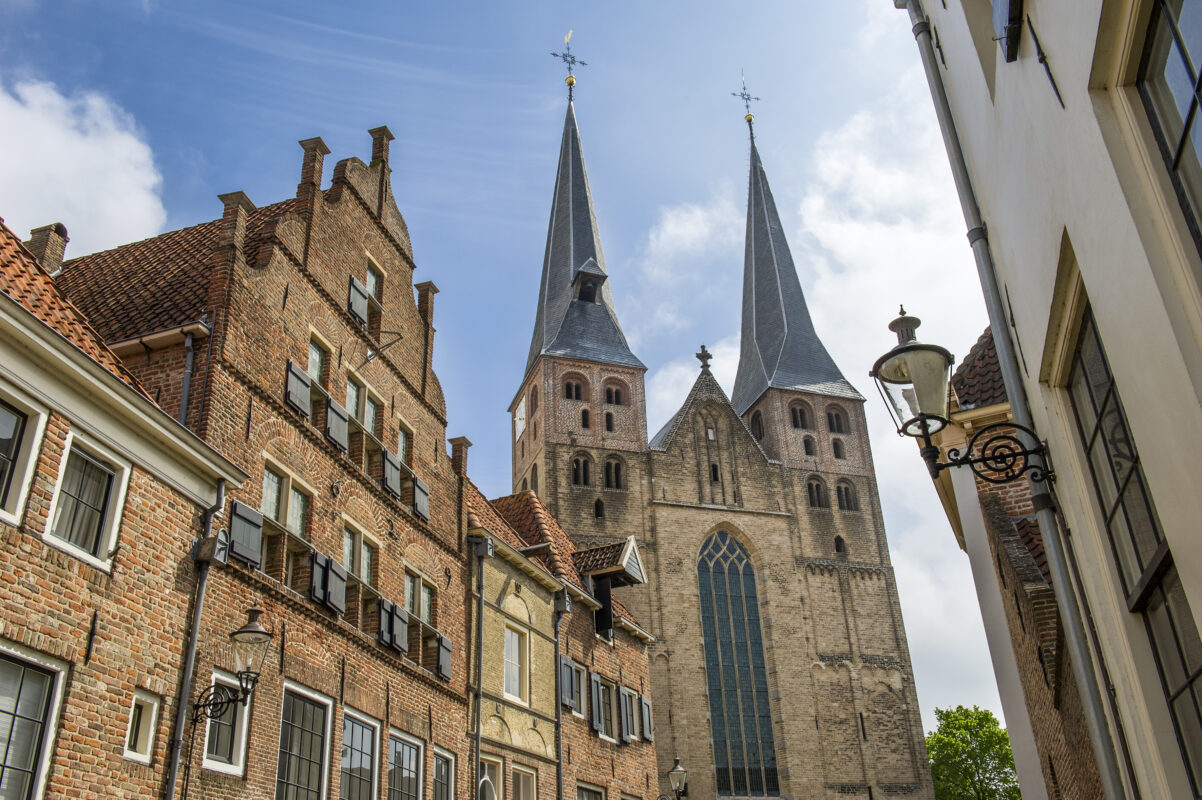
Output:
x=400 y=629
x=595 y=687
x=336 y=424
x=624 y=717
x=246 y=534
x=392 y=475
x=421 y=499
x=336 y=586
x=296 y=389
x=384 y=627
x=566 y=675
x=444 y=657
x=320 y=571
x=647 y=732
x=356 y=302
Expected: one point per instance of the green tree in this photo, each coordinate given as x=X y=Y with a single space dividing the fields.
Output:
x=970 y=756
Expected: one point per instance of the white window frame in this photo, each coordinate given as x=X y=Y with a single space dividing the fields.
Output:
x=316 y=338
x=50 y=730
x=615 y=711
x=422 y=581
x=373 y=264
x=499 y=786
x=154 y=703
x=397 y=733
x=579 y=697
x=405 y=456
x=591 y=787
x=241 y=724
x=316 y=697
x=523 y=695
x=374 y=724
x=361 y=536
x=532 y=773
x=24 y=466
x=449 y=756
x=635 y=712
x=114 y=508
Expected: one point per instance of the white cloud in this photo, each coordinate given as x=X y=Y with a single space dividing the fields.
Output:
x=669 y=384
x=79 y=159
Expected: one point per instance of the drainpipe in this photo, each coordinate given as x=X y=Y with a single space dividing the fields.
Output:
x=1062 y=585
x=563 y=605
x=187 y=388
x=482 y=547
x=202 y=554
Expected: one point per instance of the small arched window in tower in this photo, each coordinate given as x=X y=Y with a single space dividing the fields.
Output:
x=533 y=399
x=846 y=495
x=588 y=291
x=599 y=510
x=714 y=473
x=534 y=478
x=580 y=470
x=837 y=446
x=816 y=493
x=571 y=390
x=586 y=467
x=522 y=448
x=757 y=425
x=840 y=546
x=801 y=417
x=524 y=485
x=808 y=443
x=609 y=421
x=584 y=417
x=836 y=420
x=613 y=474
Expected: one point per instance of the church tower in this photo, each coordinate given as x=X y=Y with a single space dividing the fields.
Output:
x=579 y=420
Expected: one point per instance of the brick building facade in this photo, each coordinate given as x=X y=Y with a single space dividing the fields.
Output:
x=774 y=485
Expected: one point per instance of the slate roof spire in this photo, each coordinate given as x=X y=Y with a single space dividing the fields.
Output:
x=779 y=347
x=575 y=316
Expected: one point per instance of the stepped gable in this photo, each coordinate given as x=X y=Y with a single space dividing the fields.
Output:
x=23 y=280
x=564 y=324
x=978 y=380
x=779 y=347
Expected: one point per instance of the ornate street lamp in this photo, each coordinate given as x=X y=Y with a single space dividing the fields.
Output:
x=678 y=777
x=913 y=379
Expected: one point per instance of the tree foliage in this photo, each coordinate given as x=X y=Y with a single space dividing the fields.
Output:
x=970 y=756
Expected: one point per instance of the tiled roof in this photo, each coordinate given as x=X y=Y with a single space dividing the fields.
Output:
x=23 y=279
x=157 y=283
x=978 y=379
x=598 y=558
x=1032 y=539
x=488 y=517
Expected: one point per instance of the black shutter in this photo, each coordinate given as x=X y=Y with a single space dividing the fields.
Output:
x=421 y=499
x=400 y=629
x=566 y=674
x=356 y=301
x=336 y=424
x=604 y=616
x=647 y=732
x=624 y=716
x=296 y=389
x=384 y=627
x=444 y=657
x=595 y=686
x=336 y=586
x=392 y=475
x=246 y=534
x=1008 y=25
x=318 y=580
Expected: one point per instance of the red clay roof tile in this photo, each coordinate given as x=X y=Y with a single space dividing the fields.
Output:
x=978 y=379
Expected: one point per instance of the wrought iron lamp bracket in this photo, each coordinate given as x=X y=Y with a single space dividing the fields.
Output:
x=1003 y=456
x=215 y=701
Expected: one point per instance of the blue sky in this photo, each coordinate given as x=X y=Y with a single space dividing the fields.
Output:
x=124 y=119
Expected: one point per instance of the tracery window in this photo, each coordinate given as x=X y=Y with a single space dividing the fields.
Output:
x=736 y=677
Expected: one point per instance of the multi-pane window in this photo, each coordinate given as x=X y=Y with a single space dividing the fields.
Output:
x=354 y=396
x=404 y=769
x=271 y=504
x=12 y=427
x=589 y=793
x=225 y=738
x=402 y=445
x=300 y=773
x=358 y=760
x=419 y=598
x=1170 y=90
x=1144 y=561
x=523 y=785
x=736 y=677
x=362 y=406
x=318 y=358
x=608 y=708
x=515 y=663
x=83 y=502
x=443 y=778
x=298 y=512
x=491 y=785
x=358 y=555
x=373 y=282
x=25 y=696
x=578 y=676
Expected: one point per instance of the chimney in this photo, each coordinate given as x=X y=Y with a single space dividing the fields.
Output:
x=233 y=219
x=48 y=243
x=425 y=301
x=380 y=137
x=459 y=446
x=311 y=165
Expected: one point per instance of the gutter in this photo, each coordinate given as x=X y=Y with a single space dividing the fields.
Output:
x=159 y=340
x=563 y=606
x=482 y=548
x=1054 y=547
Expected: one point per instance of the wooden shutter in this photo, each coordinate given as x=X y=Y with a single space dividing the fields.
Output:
x=566 y=676
x=384 y=628
x=604 y=616
x=624 y=716
x=336 y=424
x=336 y=586
x=646 y=706
x=296 y=389
x=392 y=475
x=400 y=629
x=1008 y=25
x=246 y=534
x=444 y=657
x=421 y=499
x=595 y=691
x=317 y=581
x=356 y=301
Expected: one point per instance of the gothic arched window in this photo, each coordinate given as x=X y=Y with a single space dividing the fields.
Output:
x=534 y=478
x=757 y=425
x=736 y=678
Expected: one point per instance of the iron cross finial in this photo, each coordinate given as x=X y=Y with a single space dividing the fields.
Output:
x=746 y=97
x=704 y=357
x=570 y=60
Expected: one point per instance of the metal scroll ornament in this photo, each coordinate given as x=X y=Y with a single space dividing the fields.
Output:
x=1003 y=456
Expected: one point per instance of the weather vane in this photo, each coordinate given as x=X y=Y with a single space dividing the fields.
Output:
x=746 y=97
x=571 y=60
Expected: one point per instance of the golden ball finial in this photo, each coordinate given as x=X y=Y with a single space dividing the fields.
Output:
x=571 y=80
x=749 y=117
